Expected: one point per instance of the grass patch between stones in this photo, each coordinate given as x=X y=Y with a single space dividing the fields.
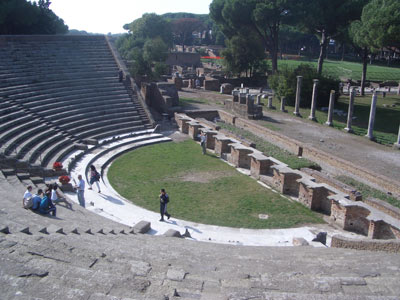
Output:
x=368 y=191
x=269 y=149
x=202 y=188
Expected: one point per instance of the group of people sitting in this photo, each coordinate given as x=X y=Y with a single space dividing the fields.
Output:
x=44 y=202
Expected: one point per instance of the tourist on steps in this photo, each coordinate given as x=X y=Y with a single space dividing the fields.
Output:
x=36 y=199
x=57 y=198
x=80 y=189
x=94 y=178
x=46 y=206
x=27 y=200
x=164 y=199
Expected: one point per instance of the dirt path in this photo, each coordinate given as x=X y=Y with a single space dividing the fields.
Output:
x=383 y=160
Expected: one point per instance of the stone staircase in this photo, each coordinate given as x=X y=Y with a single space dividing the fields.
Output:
x=80 y=255
x=59 y=93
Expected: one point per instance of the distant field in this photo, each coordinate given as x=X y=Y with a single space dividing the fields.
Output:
x=351 y=70
x=339 y=69
x=202 y=188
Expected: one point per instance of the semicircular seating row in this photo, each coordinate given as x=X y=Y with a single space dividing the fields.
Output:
x=59 y=94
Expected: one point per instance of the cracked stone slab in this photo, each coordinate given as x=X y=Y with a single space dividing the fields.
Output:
x=176 y=275
x=140 y=268
x=352 y=281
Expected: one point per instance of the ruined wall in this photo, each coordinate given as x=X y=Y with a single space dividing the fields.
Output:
x=384 y=206
x=370 y=245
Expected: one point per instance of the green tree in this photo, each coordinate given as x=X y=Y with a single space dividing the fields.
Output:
x=261 y=17
x=146 y=45
x=183 y=29
x=243 y=54
x=327 y=19
x=24 y=17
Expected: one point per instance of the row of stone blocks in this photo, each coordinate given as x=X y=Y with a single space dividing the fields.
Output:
x=141 y=227
x=355 y=216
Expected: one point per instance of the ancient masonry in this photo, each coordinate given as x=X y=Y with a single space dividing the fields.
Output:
x=355 y=216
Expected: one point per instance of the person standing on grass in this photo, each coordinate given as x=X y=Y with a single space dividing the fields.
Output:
x=80 y=189
x=203 y=139
x=164 y=199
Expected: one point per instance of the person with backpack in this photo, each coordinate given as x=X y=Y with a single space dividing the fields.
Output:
x=94 y=178
x=164 y=199
x=46 y=206
x=37 y=199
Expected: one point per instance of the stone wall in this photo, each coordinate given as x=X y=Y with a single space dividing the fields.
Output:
x=370 y=245
x=211 y=85
x=183 y=59
x=350 y=215
x=161 y=96
x=384 y=206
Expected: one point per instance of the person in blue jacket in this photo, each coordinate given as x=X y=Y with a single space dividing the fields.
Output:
x=46 y=206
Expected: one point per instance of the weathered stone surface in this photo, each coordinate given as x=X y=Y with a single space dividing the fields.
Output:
x=298 y=241
x=142 y=227
x=172 y=233
x=176 y=274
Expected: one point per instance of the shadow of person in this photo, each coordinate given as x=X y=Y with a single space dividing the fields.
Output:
x=112 y=199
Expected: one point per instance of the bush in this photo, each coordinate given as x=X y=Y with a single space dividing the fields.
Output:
x=285 y=83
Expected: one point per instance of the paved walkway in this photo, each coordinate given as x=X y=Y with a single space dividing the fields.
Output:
x=111 y=205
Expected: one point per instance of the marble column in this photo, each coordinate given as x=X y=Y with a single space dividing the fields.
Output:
x=298 y=97
x=314 y=101
x=398 y=90
x=283 y=103
x=329 y=122
x=397 y=144
x=371 y=122
x=350 y=112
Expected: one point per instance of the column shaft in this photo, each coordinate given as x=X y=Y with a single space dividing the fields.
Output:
x=329 y=122
x=371 y=122
x=298 y=96
x=350 y=112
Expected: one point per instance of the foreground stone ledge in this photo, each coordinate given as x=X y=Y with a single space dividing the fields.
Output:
x=366 y=244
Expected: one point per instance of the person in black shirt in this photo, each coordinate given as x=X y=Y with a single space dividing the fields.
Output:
x=164 y=199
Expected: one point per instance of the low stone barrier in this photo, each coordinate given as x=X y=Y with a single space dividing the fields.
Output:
x=370 y=245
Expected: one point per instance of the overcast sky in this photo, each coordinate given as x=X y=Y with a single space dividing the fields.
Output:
x=103 y=16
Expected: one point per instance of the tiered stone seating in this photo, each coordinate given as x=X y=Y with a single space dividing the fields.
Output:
x=59 y=92
x=80 y=255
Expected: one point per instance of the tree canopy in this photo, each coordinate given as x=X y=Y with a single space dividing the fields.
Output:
x=261 y=17
x=24 y=17
x=327 y=19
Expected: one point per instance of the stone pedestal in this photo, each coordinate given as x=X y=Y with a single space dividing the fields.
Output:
x=240 y=156
x=329 y=122
x=397 y=144
x=371 y=122
x=259 y=99
x=283 y=103
x=298 y=96
x=194 y=130
x=350 y=112
x=210 y=135
x=260 y=165
x=185 y=125
x=270 y=103
x=222 y=145
x=314 y=101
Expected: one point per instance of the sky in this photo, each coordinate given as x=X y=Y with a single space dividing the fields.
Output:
x=104 y=16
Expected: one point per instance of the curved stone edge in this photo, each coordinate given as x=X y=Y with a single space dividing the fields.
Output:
x=392 y=246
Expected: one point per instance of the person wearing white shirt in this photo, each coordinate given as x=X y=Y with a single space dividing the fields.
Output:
x=57 y=198
x=80 y=188
x=26 y=201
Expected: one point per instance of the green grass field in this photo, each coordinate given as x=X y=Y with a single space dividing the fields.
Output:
x=202 y=188
x=349 y=70
x=387 y=119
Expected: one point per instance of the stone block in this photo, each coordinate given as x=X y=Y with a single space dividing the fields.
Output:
x=172 y=233
x=142 y=227
x=298 y=241
x=226 y=88
x=211 y=85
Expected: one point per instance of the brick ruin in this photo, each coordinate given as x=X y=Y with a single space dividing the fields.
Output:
x=245 y=104
x=341 y=207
